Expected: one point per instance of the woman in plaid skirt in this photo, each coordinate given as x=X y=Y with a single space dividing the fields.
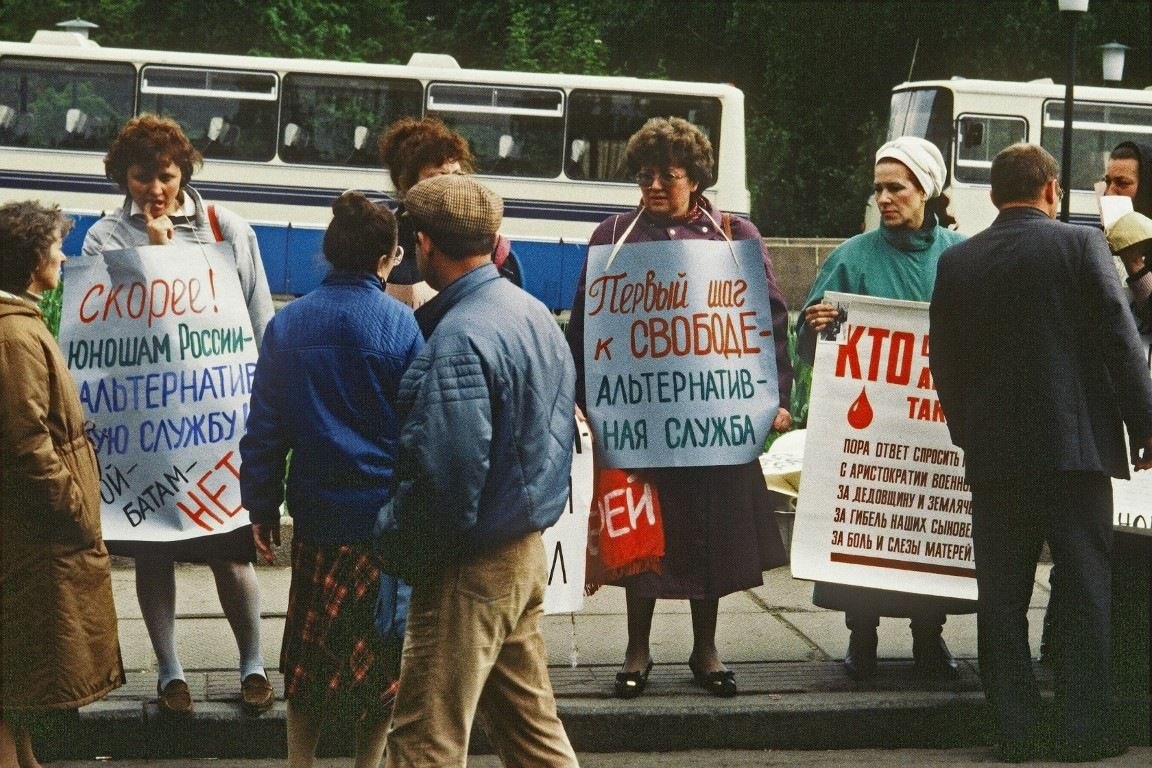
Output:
x=323 y=392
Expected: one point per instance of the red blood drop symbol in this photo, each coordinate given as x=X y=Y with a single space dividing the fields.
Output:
x=860 y=414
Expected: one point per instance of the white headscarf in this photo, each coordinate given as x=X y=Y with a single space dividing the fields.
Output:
x=922 y=158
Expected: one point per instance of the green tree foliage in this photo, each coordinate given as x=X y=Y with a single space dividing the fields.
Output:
x=817 y=74
x=571 y=43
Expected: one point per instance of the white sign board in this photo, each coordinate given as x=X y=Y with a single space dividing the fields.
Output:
x=160 y=343
x=680 y=359
x=883 y=501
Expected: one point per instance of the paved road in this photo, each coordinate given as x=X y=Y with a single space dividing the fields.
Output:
x=921 y=758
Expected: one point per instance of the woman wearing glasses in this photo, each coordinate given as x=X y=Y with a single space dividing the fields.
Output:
x=719 y=535
x=324 y=390
x=152 y=161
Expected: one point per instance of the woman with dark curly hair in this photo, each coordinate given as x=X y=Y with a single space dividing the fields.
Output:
x=58 y=644
x=152 y=161
x=719 y=535
x=417 y=149
x=325 y=389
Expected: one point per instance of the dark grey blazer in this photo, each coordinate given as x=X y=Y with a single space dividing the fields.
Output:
x=1034 y=351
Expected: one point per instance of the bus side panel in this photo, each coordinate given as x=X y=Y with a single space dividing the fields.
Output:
x=549 y=270
x=74 y=243
x=304 y=262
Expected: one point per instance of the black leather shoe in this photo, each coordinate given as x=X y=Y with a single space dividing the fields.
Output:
x=933 y=659
x=860 y=659
x=629 y=685
x=721 y=683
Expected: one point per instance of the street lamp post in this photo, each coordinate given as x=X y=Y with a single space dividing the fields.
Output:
x=1112 y=61
x=1070 y=10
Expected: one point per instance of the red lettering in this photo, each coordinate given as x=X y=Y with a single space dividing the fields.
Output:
x=224 y=463
x=85 y=317
x=197 y=513
x=602 y=345
x=848 y=354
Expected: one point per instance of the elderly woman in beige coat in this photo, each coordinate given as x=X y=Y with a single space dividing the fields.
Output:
x=58 y=648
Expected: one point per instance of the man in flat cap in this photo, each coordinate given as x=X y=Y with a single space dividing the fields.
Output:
x=484 y=460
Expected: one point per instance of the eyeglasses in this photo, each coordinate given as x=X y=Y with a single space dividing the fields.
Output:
x=648 y=178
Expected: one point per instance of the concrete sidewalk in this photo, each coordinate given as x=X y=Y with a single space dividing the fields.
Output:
x=786 y=654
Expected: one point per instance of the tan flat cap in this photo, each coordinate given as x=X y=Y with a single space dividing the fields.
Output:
x=455 y=205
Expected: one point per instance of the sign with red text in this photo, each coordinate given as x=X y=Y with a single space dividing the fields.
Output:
x=679 y=355
x=1132 y=499
x=883 y=501
x=160 y=343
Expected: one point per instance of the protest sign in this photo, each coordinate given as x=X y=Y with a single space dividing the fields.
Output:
x=883 y=501
x=680 y=363
x=160 y=343
x=1132 y=499
x=566 y=541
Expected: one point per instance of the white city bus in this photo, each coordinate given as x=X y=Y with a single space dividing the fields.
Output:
x=971 y=120
x=283 y=137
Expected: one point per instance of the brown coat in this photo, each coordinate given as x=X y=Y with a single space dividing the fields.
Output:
x=58 y=642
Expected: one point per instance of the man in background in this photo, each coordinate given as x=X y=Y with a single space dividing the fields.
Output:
x=1038 y=367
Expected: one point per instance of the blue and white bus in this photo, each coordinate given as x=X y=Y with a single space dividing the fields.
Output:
x=283 y=137
x=970 y=121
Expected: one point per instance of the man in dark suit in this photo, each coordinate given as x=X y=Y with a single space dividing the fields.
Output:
x=1038 y=368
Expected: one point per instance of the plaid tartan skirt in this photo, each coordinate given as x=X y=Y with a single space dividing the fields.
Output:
x=333 y=660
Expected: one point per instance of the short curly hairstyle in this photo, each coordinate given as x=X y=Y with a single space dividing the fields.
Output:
x=153 y=142
x=27 y=231
x=665 y=141
x=410 y=145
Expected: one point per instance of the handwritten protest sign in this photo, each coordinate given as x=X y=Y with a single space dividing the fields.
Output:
x=883 y=501
x=566 y=541
x=679 y=356
x=160 y=343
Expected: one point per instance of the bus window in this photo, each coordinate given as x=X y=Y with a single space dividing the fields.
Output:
x=979 y=138
x=1096 y=129
x=600 y=123
x=332 y=120
x=49 y=104
x=225 y=114
x=923 y=112
x=512 y=131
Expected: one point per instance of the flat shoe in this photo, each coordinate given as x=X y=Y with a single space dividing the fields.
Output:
x=721 y=683
x=629 y=685
x=174 y=698
x=256 y=694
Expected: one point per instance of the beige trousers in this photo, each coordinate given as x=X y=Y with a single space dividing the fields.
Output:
x=473 y=648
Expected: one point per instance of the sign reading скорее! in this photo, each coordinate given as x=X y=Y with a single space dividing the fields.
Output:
x=160 y=343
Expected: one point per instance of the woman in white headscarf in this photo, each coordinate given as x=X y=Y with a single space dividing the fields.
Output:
x=896 y=261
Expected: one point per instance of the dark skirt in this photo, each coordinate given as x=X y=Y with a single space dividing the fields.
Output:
x=866 y=601
x=334 y=662
x=719 y=533
x=236 y=546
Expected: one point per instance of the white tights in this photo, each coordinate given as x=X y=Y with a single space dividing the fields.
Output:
x=239 y=594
